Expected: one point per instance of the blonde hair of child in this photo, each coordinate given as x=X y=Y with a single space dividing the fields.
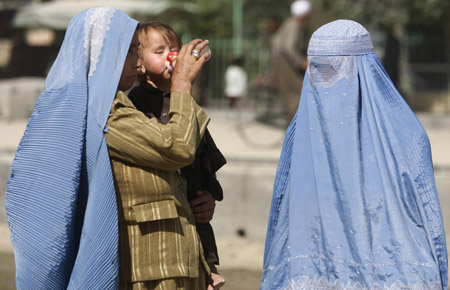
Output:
x=165 y=30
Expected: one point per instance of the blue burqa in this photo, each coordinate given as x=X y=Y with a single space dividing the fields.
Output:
x=60 y=197
x=354 y=203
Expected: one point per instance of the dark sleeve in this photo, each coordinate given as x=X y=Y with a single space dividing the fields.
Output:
x=145 y=101
x=206 y=234
x=216 y=158
x=200 y=174
x=136 y=96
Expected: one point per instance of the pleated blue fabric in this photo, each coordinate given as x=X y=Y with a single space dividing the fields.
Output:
x=60 y=198
x=354 y=204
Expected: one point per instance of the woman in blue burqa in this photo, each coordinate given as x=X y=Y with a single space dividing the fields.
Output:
x=355 y=203
x=60 y=197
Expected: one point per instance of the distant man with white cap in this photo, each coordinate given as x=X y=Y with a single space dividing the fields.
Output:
x=289 y=60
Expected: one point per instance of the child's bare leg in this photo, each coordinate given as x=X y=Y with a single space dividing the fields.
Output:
x=217 y=280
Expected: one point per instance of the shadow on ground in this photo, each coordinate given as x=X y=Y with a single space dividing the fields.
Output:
x=237 y=279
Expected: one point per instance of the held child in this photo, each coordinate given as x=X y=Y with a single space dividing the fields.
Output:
x=159 y=247
x=152 y=97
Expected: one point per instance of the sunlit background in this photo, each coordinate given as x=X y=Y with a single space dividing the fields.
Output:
x=411 y=38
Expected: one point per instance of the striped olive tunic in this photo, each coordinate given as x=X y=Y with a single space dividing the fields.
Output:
x=158 y=238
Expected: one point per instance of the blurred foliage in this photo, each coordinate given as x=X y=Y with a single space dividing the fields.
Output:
x=258 y=12
x=215 y=17
x=389 y=13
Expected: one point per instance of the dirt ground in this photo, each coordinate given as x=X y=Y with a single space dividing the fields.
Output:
x=241 y=279
x=7 y=271
x=237 y=279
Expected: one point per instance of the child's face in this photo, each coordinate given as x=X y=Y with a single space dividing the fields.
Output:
x=130 y=67
x=153 y=53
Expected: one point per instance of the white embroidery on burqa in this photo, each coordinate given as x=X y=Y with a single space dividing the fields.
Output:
x=305 y=283
x=345 y=262
x=344 y=37
x=96 y=26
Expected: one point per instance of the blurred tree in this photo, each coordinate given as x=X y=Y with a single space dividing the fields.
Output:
x=389 y=13
x=215 y=17
x=257 y=13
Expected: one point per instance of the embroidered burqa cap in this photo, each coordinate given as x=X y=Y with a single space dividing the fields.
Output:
x=354 y=203
x=60 y=197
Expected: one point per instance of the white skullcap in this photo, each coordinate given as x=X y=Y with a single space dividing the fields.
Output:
x=300 y=8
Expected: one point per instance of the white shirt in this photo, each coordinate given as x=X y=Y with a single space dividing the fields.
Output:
x=235 y=81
